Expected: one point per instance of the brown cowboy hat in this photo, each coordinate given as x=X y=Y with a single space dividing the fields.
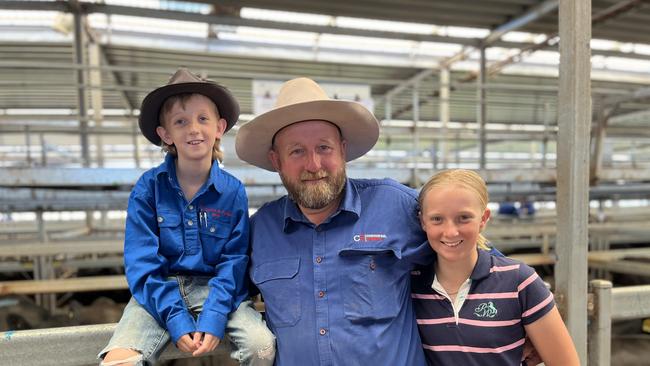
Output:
x=300 y=100
x=183 y=81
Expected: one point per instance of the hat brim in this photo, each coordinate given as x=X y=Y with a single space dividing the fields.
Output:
x=150 y=109
x=358 y=127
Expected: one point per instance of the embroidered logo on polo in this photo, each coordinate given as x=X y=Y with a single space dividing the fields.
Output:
x=486 y=310
x=369 y=237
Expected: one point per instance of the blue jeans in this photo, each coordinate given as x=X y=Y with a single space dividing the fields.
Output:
x=253 y=344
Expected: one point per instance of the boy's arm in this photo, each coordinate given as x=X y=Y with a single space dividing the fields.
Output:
x=147 y=270
x=227 y=287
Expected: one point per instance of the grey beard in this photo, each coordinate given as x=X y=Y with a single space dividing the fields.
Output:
x=315 y=196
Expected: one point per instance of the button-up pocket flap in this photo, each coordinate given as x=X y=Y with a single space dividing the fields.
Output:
x=359 y=250
x=280 y=269
x=220 y=227
x=168 y=219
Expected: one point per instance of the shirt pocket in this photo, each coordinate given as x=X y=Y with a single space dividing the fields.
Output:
x=372 y=283
x=214 y=233
x=171 y=236
x=278 y=282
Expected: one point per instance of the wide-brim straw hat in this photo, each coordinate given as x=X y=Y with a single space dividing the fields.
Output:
x=183 y=81
x=301 y=100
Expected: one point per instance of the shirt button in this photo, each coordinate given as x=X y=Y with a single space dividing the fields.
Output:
x=373 y=266
x=322 y=331
x=190 y=222
x=321 y=293
x=160 y=219
x=212 y=229
x=319 y=259
x=180 y=193
x=319 y=228
x=190 y=207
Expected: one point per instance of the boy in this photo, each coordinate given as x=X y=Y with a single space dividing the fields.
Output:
x=186 y=236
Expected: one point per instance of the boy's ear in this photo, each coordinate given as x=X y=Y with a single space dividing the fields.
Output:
x=221 y=126
x=164 y=135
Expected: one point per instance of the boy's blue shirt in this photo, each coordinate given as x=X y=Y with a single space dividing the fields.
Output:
x=166 y=235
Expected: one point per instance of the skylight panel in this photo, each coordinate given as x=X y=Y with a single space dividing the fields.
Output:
x=285 y=16
x=383 y=25
x=463 y=32
x=270 y=36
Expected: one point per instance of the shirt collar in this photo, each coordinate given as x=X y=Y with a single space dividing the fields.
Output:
x=483 y=264
x=481 y=268
x=215 y=178
x=350 y=203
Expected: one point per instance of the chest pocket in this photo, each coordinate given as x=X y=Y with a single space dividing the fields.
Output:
x=214 y=233
x=278 y=282
x=372 y=282
x=171 y=235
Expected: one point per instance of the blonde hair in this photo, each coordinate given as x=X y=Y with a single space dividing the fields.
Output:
x=182 y=98
x=464 y=178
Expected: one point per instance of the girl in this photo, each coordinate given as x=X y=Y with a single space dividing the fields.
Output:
x=474 y=308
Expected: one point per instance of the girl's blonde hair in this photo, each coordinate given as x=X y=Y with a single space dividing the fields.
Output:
x=464 y=178
x=182 y=98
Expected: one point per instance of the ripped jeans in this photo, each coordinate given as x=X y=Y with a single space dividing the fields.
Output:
x=252 y=342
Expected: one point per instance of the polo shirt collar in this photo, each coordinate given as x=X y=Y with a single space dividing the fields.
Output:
x=483 y=265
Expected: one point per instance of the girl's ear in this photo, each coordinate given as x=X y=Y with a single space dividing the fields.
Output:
x=485 y=218
x=421 y=220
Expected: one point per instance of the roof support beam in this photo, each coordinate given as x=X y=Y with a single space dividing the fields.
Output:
x=516 y=23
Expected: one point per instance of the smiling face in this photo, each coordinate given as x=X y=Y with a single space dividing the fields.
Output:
x=453 y=216
x=192 y=126
x=310 y=157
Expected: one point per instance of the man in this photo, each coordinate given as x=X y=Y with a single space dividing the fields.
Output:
x=333 y=258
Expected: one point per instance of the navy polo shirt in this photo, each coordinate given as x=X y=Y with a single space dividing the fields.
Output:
x=504 y=296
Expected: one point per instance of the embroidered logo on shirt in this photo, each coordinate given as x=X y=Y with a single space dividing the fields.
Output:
x=486 y=310
x=369 y=237
x=216 y=212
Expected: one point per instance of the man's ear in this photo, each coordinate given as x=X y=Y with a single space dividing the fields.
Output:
x=344 y=150
x=274 y=157
x=164 y=135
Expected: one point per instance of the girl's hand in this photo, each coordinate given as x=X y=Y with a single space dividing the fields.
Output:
x=205 y=345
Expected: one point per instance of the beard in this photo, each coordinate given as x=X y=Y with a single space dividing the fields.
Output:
x=318 y=195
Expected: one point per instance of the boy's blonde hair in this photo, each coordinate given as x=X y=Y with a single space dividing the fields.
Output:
x=217 y=154
x=464 y=178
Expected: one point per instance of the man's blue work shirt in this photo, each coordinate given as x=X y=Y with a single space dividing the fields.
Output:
x=166 y=235
x=339 y=293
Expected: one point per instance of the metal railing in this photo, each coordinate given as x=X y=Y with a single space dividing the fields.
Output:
x=69 y=346
x=608 y=304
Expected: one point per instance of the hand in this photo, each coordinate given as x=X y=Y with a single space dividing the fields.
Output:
x=530 y=356
x=186 y=343
x=208 y=344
